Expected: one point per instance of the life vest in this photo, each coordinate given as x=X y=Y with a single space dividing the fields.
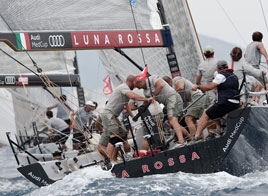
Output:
x=229 y=88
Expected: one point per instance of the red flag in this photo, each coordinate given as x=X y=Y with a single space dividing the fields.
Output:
x=142 y=75
x=107 y=89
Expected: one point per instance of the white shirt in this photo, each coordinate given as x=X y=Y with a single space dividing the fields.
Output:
x=206 y=69
x=57 y=123
x=219 y=79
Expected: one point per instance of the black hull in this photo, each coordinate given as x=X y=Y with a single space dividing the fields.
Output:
x=250 y=152
x=200 y=158
x=36 y=174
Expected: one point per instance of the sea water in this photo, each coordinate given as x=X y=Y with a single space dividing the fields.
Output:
x=94 y=181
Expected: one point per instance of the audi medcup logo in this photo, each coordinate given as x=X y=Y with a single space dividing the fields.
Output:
x=56 y=40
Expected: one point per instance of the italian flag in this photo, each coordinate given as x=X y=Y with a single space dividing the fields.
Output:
x=23 y=41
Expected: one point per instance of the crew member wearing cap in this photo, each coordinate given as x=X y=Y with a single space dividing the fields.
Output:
x=206 y=70
x=163 y=93
x=83 y=119
x=228 y=96
x=113 y=130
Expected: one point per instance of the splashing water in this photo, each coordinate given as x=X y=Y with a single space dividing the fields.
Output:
x=95 y=181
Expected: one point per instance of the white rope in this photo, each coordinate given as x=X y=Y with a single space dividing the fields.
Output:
x=264 y=15
x=232 y=23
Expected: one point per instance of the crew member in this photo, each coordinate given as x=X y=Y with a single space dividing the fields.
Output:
x=255 y=49
x=63 y=110
x=228 y=96
x=58 y=127
x=163 y=93
x=206 y=70
x=83 y=120
x=239 y=67
x=155 y=110
x=114 y=131
x=184 y=88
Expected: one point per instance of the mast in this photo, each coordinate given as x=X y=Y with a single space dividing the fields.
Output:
x=171 y=56
x=79 y=89
x=195 y=31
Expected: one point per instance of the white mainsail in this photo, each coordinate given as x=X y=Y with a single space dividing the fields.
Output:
x=94 y=15
x=185 y=41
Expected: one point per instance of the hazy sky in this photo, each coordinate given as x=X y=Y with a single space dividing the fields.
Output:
x=246 y=16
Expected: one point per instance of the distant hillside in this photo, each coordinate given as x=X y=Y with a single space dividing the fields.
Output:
x=222 y=48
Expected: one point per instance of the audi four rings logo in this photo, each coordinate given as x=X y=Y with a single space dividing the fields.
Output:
x=56 y=40
x=10 y=80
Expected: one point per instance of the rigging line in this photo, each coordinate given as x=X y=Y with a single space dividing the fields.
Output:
x=135 y=23
x=34 y=63
x=264 y=15
x=26 y=92
x=19 y=62
x=42 y=121
x=43 y=77
x=45 y=80
x=62 y=53
x=39 y=70
x=38 y=114
x=230 y=20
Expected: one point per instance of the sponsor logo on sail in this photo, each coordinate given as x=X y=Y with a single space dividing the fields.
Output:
x=111 y=39
x=56 y=40
x=10 y=80
x=23 y=80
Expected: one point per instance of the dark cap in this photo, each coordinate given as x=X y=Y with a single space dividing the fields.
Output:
x=222 y=64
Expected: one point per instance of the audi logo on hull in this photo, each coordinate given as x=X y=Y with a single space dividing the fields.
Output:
x=56 y=40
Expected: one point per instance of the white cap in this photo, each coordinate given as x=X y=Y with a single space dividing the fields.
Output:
x=208 y=49
x=90 y=103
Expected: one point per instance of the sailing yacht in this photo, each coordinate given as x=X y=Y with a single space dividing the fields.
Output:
x=167 y=43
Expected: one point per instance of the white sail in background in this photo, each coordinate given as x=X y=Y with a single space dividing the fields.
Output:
x=28 y=105
x=50 y=62
x=21 y=107
x=7 y=115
